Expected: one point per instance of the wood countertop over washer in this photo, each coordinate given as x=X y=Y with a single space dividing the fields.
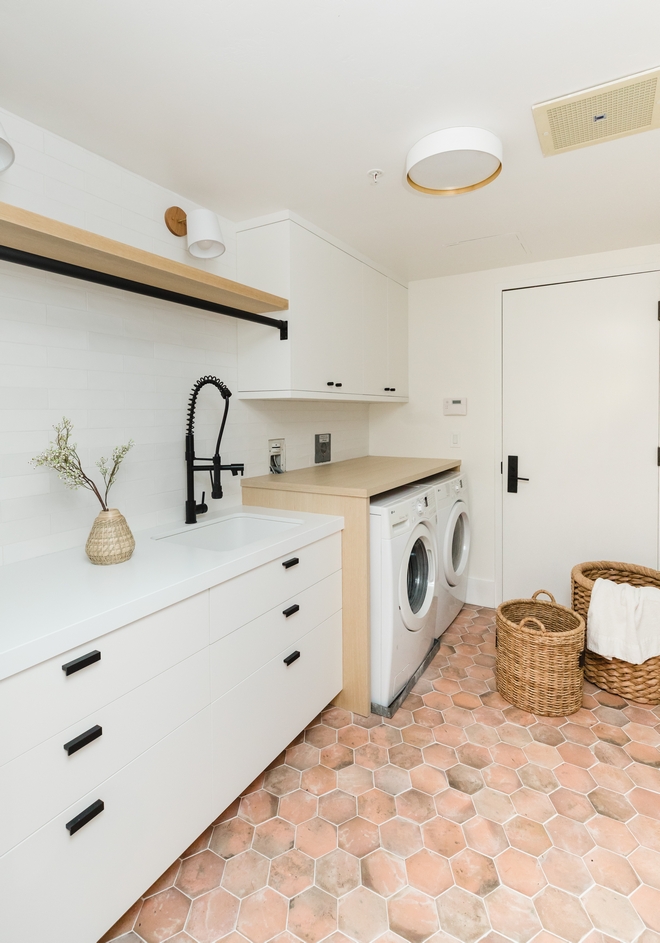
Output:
x=357 y=477
x=344 y=489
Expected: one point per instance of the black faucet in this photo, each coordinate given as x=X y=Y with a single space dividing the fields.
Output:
x=214 y=469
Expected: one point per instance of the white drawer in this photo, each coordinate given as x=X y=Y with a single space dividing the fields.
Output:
x=44 y=700
x=254 y=721
x=251 y=594
x=39 y=784
x=244 y=651
x=154 y=808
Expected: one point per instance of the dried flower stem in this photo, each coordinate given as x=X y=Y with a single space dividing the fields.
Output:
x=62 y=457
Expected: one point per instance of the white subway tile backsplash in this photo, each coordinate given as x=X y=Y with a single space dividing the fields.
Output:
x=119 y=365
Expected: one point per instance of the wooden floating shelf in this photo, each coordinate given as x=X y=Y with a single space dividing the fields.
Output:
x=34 y=240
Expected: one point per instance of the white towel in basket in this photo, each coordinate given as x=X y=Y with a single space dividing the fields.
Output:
x=624 y=621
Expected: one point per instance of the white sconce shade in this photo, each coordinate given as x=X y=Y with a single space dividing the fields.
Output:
x=453 y=161
x=204 y=235
x=6 y=151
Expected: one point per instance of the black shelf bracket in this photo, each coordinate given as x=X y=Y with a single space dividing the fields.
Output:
x=126 y=284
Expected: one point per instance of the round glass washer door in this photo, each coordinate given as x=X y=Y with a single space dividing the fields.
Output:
x=457 y=543
x=417 y=578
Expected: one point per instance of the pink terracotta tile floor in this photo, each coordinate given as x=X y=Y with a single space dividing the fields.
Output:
x=460 y=819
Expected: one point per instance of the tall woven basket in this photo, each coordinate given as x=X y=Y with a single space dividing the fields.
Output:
x=539 y=655
x=639 y=683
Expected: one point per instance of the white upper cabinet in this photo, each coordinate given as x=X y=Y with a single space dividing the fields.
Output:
x=397 y=339
x=348 y=323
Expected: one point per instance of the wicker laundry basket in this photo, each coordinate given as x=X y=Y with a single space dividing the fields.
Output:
x=539 y=655
x=639 y=683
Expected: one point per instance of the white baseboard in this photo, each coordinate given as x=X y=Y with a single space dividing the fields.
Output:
x=481 y=592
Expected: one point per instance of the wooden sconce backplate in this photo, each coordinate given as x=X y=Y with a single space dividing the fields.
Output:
x=175 y=220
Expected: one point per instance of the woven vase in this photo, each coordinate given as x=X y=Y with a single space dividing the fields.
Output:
x=110 y=539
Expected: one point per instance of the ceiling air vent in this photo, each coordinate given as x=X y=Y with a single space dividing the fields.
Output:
x=597 y=114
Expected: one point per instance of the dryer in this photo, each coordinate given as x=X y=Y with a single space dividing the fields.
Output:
x=404 y=572
x=453 y=536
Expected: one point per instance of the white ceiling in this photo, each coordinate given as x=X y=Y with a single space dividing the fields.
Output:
x=252 y=106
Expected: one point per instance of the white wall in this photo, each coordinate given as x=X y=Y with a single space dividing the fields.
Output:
x=455 y=349
x=120 y=366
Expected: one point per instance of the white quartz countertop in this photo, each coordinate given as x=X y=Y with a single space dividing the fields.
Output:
x=56 y=602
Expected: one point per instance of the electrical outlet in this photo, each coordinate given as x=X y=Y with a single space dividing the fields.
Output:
x=455 y=440
x=322 y=448
x=276 y=456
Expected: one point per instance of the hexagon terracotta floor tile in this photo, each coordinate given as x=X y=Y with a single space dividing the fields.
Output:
x=461 y=819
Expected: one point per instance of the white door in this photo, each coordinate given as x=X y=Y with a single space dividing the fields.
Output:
x=580 y=413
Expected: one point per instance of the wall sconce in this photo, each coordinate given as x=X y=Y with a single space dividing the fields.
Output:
x=6 y=151
x=202 y=229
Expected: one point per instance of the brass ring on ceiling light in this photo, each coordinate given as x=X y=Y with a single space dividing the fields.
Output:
x=454 y=191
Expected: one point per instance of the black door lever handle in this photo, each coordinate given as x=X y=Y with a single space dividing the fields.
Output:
x=512 y=478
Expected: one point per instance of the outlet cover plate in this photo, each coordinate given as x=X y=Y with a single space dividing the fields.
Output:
x=322 y=449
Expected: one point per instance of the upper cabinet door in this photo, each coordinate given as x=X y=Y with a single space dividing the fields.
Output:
x=312 y=311
x=374 y=332
x=397 y=338
x=345 y=346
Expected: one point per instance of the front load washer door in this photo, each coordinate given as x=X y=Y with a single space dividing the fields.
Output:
x=457 y=543
x=417 y=578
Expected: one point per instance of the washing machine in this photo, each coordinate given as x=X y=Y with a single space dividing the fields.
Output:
x=404 y=572
x=452 y=527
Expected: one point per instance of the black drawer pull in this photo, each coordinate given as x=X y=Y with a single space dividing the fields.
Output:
x=82 y=662
x=289 y=660
x=83 y=739
x=330 y=383
x=339 y=384
x=294 y=561
x=85 y=816
x=290 y=611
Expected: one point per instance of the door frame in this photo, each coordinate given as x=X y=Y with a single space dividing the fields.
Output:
x=567 y=271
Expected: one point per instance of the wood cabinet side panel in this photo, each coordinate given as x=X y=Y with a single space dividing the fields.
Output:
x=356 y=693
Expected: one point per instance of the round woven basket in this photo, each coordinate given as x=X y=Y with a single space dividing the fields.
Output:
x=539 y=655
x=110 y=539
x=639 y=683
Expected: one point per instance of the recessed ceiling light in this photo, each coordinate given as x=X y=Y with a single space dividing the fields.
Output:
x=454 y=161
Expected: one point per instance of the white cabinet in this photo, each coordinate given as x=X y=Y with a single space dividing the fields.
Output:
x=258 y=718
x=153 y=808
x=152 y=737
x=347 y=322
x=397 y=339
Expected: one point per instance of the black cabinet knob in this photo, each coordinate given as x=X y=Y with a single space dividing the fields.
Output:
x=290 y=611
x=294 y=561
x=330 y=383
x=339 y=384
x=289 y=660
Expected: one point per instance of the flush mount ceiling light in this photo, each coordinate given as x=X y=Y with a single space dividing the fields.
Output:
x=454 y=161
x=6 y=151
x=202 y=229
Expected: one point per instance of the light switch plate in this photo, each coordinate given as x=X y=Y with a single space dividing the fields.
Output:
x=322 y=448
x=454 y=406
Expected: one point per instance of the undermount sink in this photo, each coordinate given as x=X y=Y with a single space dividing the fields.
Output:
x=231 y=532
